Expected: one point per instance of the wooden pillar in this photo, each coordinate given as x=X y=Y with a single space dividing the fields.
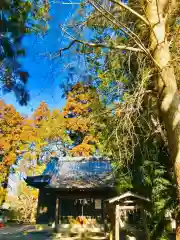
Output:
x=102 y=210
x=59 y=220
x=57 y=211
x=38 y=206
x=143 y=215
x=117 y=229
x=111 y=235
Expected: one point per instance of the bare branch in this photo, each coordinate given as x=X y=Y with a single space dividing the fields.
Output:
x=96 y=45
x=66 y=48
x=132 y=11
x=124 y=29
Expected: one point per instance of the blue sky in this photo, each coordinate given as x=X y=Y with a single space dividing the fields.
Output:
x=45 y=74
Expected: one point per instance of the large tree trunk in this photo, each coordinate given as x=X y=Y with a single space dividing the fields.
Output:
x=169 y=99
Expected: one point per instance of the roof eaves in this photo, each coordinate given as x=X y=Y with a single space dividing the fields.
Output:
x=127 y=194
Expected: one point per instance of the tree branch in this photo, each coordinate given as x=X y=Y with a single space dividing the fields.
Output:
x=131 y=10
x=121 y=26
x=96 y=45
x=124 y=29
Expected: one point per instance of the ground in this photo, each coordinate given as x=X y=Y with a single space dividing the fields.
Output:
x=22 y=233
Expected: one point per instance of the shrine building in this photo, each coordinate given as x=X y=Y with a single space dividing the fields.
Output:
x=72 y=187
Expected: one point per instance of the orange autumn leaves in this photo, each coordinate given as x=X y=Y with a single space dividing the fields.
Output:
x=41 y=113
x=11 y=139
x=18 y=132
x=15 y=133
x=45 y=125
x=11 y=125
x=81 y=102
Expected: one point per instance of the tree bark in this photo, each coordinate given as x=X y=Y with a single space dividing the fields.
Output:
x=165 y=80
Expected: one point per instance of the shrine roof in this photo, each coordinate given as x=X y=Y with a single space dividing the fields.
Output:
x=75 y=173
x=127 y=195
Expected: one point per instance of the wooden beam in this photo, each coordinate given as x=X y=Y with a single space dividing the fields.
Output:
x=117 y=232
x=129 y=207
x=128 y=201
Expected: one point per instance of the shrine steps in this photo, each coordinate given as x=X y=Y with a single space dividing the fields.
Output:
x=88 y=236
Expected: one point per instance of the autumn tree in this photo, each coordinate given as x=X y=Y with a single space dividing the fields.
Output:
x=11 y=124
x=41 y=113
x=23 y=140
x=40 y=116
x=23 y=207
x=16 y=137
x=27 y=197
x=81 y=101
x=45 y=127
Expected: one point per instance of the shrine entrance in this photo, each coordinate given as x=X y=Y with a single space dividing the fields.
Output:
x=127 y=213
x=77 y=207
x=72 y=208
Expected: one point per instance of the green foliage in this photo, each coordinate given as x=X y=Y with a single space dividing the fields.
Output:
x=127 y=132
x=147 y=173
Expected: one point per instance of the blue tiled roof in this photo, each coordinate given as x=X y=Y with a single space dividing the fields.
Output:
x=76 y=173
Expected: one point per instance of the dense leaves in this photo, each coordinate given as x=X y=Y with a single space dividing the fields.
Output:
x=82 y=101
x=23 y=207
x=11 y=125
